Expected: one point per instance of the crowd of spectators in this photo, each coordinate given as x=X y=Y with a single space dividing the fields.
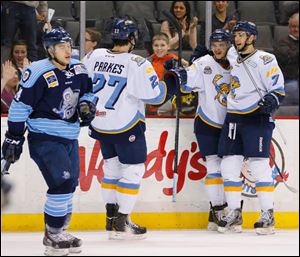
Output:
x=24 y=22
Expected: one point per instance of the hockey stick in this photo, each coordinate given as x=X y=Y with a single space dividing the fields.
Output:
x=4 y=166
x=175 y=23
x=240 y=59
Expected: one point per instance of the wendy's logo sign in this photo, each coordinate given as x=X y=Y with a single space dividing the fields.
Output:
x=160 y=166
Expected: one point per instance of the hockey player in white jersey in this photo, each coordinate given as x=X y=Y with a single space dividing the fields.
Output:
x=124 y=82
x=210 y=77
x=257 y=88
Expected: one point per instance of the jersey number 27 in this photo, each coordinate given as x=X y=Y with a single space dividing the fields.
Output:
x=119 y=83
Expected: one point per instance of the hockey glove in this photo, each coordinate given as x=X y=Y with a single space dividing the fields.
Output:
x=87 y=112
x=177 y=76
x=269 y=104
x=170 y=64
x=12 y=147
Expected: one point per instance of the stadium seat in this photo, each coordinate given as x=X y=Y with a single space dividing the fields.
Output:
x=63 y=9
x=280 y=32
x=73 y=28
x=138 y=9
x=156 y=27
x=284 y=9
x=265 y=39
x=100 y=9
x=259 y=12
x=143 y=53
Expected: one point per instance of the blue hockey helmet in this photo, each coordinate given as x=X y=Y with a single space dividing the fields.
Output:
x=248 y=27
x=220 y=35
x=56 y=36
x=123 y=29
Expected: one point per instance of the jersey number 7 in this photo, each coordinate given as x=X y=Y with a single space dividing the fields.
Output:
x=119 y=83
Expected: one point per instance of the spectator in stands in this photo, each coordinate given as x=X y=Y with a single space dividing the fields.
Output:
x=92 y=41
x=22 y=15
x=221 y=19
x=18 y=56
x=287 y=53
x=182 y=11
x=161 y=46
x=9 y=85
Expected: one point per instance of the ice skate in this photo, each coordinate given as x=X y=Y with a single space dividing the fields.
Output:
x=231 y=222
x=111 y=214
x=216 y=213
x=75 y=243
x=265 y=224
x=123 y=229
x=56 y=244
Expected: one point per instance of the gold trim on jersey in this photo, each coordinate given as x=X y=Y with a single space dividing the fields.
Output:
x=240 y=60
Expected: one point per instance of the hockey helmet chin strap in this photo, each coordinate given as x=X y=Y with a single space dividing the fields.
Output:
x=246 y=45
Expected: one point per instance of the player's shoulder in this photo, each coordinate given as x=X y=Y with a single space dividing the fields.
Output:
x=264 y=57
x=34 y=71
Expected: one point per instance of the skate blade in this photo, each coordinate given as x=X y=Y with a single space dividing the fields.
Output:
x=113 y=235
x=212 y=226
x=50 y=251
x=265 y=231
x=231 y=229
x=75 y=249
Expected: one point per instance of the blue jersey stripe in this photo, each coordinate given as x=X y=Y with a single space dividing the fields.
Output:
x=58 y=128
x=19 y=112
x=161 y=97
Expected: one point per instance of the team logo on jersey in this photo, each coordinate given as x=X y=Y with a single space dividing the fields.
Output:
x=207 y=70
x=51 y=79
x=68 y=74
x=249 y=185
x=80 y=69
x=266 y=59
x=26 y=75
x=234 y=84
x=138 y=59
x=68 y=105
x=222 y=89
x=132 y=138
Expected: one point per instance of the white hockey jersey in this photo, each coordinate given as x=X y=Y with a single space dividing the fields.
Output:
x=212 y=82
x=123 y=82
x=266 y=74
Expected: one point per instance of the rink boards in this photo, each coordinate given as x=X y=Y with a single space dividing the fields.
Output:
x=155 y=208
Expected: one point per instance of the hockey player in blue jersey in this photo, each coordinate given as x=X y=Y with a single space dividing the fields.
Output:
x=257 y=88
x=55 y=95
x=124 y=82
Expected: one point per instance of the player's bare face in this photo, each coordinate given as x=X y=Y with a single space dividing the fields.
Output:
x=63 y=53
x=240 y=38
x=219 y=49
x=179 y=10
x=160 y=48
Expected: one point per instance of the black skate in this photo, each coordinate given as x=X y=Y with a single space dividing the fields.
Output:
x=216 y=213
x=75 y=243
x=123 y=228
x=56 y=244
x=111 y=214
x=265 y=224
x=232 y=221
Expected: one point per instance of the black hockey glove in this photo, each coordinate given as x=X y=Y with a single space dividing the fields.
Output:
x=12 y=147
x=269 y=104
x=177 y=76
x=170 y=64
x=87 y=112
